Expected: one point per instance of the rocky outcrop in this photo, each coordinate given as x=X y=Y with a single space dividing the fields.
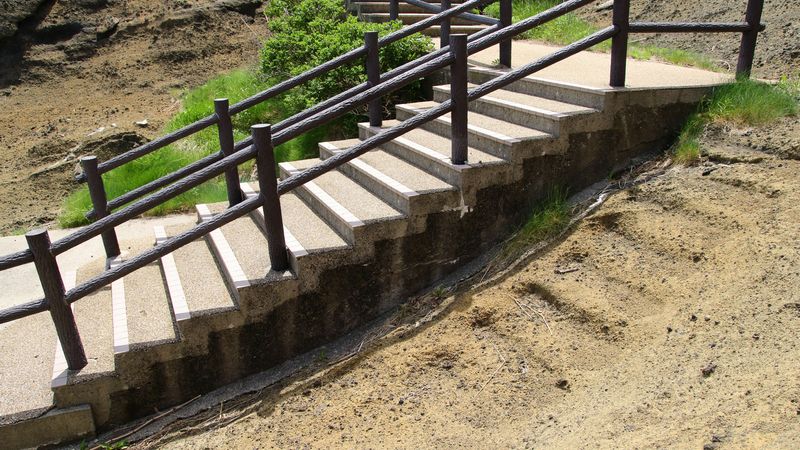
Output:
x=14 y=12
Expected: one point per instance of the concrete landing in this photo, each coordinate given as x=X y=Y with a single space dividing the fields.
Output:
x=592 y=69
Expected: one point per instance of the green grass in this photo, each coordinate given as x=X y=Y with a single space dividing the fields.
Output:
x=743 y=103
x=546 y=220
x=197 y=104
x=570 y=28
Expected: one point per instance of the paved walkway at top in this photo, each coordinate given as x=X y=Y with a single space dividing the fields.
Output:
x=592 y=69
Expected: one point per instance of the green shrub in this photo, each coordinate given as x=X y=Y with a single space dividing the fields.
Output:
x=307 y=33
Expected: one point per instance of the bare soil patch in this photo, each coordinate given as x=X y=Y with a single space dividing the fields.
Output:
x=77 y=75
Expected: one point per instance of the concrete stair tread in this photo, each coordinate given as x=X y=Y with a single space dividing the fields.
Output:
x=481 y=124
x=248 y=247
x=200 y=281
x=407 y=175
x=365 y=206
x=441 y=145
x=150 y=320
x=536 y=104
x=93 y=314
x=311 y=232
x=26 y=367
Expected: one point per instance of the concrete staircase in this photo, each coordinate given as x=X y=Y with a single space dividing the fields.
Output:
x=361 y=239
x=378 y=11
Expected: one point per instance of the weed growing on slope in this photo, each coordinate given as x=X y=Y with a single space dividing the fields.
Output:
x=549 y=218
x=743 y=103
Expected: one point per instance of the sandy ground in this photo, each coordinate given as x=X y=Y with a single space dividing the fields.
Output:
x=76 y=82
x=667 y=318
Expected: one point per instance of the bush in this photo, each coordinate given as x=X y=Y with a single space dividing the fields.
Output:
x=307 y=33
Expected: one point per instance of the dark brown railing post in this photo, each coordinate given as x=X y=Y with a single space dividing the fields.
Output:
x=373 y=64
x=268 y=184
x=619 y=43
x=225 y=131
x=53 y=287
x=458 y=97
x=444 y=28
x=394 y=9
x=505 y=20
x=97 y=192
x=747 y=49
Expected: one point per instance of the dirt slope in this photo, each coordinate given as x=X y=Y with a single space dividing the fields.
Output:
x=778 y=50
x=668 y=318
x=78 y=73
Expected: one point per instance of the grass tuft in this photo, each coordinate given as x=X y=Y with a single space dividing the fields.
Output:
x=547 y=219
x=743 y=103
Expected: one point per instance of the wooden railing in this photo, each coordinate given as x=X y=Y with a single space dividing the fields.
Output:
x=264 y=138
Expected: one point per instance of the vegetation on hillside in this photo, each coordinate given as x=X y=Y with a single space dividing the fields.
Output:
x=314 y=32
x=743 y=103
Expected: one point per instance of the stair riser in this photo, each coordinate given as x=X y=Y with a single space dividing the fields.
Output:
x=407 y=19
x=548 y=124
x=501 y=149
x=334 y=220
x=565 y=93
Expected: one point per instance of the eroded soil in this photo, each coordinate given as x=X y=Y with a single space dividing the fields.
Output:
x=667 y=318
x=76 y=77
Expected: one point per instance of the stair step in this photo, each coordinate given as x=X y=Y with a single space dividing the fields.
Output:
x=489 y=134
x=93 y=315
x=406 y=187
x=342 y=202
x=429 y=151
x=554 y=90
x=142 y=312
x=518 y=108
x=305 y=232
x=239 y=246
x=409 y=18
x=194 y=281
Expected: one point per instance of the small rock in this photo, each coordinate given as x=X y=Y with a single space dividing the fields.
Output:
x=708 y=370
x=142 y=123
x=562 y=384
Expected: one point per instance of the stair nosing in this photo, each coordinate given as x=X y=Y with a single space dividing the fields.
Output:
x=374 y=173
x=177 y=295
x=227 y=258
x=323 y=197
x=119 y=313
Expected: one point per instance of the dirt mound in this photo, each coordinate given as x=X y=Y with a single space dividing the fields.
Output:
x=82 y=71
x=778 y=50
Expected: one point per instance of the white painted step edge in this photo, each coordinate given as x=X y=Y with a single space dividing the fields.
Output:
x=174 y=287
x=331 y=203
x=230 y=265
x=292 y=243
